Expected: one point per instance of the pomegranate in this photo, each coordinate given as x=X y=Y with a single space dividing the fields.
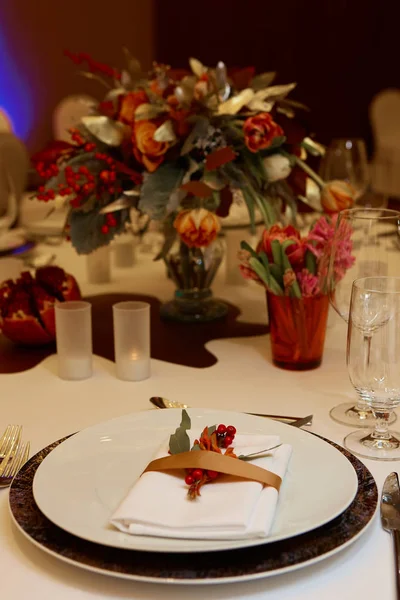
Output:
x=27 y=304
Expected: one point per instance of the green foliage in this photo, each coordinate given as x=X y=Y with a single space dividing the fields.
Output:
x=158 y=187
x=86 y=234
x=179 y=441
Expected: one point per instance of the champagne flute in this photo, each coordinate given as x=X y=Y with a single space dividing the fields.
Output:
x=364 y=244
x=373 y=357
x=346 y=160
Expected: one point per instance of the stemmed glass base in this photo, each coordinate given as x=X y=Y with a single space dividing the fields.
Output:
x=355 y=415
x=367 y=444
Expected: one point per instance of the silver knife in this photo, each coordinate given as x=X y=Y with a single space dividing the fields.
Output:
x=390 y=517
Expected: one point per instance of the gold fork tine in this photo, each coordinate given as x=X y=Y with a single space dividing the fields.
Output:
x=17 y=462
x=11 y=447
x=4 y=439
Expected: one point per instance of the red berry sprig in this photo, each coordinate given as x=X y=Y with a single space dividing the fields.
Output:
x=225 y=435
x=222 y=437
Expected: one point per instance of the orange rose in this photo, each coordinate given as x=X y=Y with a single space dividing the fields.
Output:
x=260 y=131
x=336 y=196
x=129 y=104
x=197 y=227
x=146 y=149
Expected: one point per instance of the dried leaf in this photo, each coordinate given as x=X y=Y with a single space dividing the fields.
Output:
x=126 y=79
x=197 y=67
x=197 y=188
x=221 y=78
x=165 y=133
x=132 y=63
x=105 y=129
x=219 y=157
x=276 y=92
x=119 y=204
x=263 y=80
x=95 y=77
x=149 y=111
x=236 y=103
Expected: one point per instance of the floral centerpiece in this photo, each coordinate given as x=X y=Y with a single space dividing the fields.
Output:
x=294 y=271
x=180 y=146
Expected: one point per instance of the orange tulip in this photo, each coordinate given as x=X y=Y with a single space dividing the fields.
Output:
x=336 y=196
x=197 y=227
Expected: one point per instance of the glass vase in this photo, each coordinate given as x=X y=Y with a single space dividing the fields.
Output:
x=193 y=271
x=297 y=328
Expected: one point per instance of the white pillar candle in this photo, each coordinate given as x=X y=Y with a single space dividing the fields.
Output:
x=124 y=250
x=132 y=340
x=74 y=339
x=98 y=265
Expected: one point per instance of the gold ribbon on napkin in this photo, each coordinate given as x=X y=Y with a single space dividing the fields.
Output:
x=204 y=459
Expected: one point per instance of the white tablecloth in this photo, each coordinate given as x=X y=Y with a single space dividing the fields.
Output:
x=243 y=379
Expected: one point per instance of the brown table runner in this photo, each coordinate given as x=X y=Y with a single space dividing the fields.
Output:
x=178 y=343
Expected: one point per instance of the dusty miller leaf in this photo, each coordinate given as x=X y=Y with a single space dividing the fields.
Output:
x=158 y=187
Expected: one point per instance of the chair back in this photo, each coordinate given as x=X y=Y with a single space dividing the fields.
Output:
x=14 y=165
x=384 y=114
x=68 y=114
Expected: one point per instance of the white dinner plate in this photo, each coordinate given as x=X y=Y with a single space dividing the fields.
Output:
x=79 y=485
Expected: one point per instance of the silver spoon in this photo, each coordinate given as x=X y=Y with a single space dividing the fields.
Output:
x=160 y=402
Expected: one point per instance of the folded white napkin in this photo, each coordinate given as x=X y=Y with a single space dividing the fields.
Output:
x=228 y=508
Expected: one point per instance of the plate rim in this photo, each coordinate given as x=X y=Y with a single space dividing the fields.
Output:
x=238 y=544
x=197 y=581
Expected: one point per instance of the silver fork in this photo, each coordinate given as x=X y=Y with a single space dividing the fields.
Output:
x=9 y=440
x=9 y=468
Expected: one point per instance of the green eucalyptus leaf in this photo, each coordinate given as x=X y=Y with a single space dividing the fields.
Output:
x=179 y=441
x=185 y=421
x=211 y=429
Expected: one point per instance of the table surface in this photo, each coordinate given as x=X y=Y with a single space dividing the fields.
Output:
x=244 y=378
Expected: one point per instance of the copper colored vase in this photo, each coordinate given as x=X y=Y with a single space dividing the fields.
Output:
x=297 y=328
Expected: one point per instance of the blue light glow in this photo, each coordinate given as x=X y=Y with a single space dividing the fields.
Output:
x=15 y=96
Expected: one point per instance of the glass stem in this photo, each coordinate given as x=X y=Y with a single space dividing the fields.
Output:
x=381 y=431
x=361 y=404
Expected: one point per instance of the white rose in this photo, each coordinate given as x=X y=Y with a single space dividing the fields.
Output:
x=277 y=167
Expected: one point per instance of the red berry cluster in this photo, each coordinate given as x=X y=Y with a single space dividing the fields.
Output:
x=79 y=140
x=225 y=435
x=222 y=437
x=93 y=66
x=197 y=475
x=47 y=171
x=111 y=221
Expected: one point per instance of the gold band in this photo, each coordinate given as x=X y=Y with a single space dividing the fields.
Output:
x=204 y=459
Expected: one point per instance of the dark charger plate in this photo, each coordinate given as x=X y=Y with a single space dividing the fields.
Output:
x=200 y=568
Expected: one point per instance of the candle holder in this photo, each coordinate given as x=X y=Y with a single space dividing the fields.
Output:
x=74 y=339
x=98 y=265
x=132 y=340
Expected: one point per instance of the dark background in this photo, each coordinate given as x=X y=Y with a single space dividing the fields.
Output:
x=341 y=52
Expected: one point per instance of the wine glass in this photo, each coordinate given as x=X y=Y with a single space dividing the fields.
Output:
x=365 y=244
x=373 y=358
x=346 y=160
